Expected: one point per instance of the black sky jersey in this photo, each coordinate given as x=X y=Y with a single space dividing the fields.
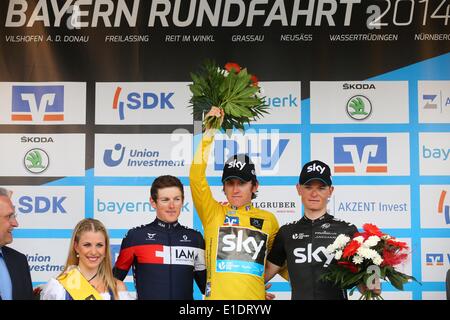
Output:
x=302 y=244
x=166 y=258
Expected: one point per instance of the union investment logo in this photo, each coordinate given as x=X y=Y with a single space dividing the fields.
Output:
x=359 y=107
x=36 y=160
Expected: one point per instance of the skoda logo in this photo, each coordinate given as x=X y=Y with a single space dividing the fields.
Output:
x=36 y=160
x=359 y=107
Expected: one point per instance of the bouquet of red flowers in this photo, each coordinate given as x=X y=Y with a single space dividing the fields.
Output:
x=232 y=89
x=366 y=257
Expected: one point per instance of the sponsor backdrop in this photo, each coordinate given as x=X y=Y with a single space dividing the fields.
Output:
x=94 y=105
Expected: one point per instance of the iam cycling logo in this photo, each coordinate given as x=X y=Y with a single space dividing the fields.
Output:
x=37 y=103
x=360 y=155
x=444 y=209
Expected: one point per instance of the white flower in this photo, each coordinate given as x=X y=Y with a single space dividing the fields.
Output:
x=338 y=254
x=360 y=239
x=331 y=248
x=371 y=254
x=377 y=259
x=341 y=241
x=371 y=241
x=357 y=259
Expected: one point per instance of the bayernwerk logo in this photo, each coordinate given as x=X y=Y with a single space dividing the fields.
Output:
x=359 y=107
x=36 y=160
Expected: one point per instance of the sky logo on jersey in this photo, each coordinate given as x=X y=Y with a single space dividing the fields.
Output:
x=241 y=250
x=360 y=154
x=308 y=255
x=37 y=103
x=138 y=100
x=444 y=208
x=270 y=151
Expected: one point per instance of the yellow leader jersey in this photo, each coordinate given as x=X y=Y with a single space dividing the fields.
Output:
x=237 y=240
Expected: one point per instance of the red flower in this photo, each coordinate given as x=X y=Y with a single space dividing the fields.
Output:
x=398 y=244
x=372 y=230
x=391 y=258
x=351 y=249
x=254 y=80
x=350 y=266
x=233 y=66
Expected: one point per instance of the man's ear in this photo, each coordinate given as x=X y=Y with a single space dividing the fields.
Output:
x=153 y=203
x=299 y=190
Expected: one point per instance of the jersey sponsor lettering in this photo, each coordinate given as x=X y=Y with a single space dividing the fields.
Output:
x=241 y=250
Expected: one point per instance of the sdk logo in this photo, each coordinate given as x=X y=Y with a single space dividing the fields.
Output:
x=442 y=208
x=138 y=100
x=37 y=103
x=360 y=154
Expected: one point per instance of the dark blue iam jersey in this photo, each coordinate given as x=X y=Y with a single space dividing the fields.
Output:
x=166 y=259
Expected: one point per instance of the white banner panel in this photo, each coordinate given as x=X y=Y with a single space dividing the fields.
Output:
x=49 y=155
x=434 y=101
x=46 y=257
x=273 y=153
x=359 y=102
x=282 y=201
x=142 y=103
x=384 y=206
x=435 y=206
x=48 y=207
x=434 y=153
x=126 y=207
x=43 y=103
x=142 y=155
x=435 y=258
x=284 y=101
x=363 y=154
x=434 y=295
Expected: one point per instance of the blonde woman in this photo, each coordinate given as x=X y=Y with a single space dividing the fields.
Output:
x=88 y=273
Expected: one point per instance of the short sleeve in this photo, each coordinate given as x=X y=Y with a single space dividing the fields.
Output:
x=277 y=254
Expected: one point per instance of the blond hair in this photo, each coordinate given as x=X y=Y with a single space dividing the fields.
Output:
x=105 y=268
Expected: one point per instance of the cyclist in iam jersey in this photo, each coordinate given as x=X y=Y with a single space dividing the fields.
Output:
x=302 y=244
x=166 y=257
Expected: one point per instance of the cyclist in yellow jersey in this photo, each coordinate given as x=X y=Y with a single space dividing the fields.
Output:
x=237 y=236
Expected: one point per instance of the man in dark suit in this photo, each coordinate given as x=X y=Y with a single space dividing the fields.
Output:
x=15 y=278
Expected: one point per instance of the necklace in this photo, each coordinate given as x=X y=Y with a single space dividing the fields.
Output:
x=85 y=277
x=93 y=277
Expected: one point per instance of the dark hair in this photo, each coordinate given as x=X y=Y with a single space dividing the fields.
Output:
x=165 y=181
x=254 y=182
